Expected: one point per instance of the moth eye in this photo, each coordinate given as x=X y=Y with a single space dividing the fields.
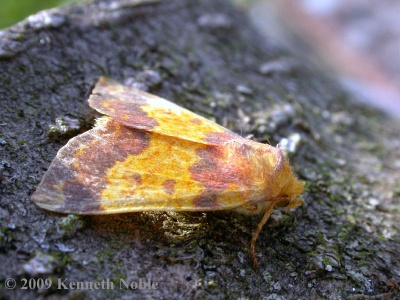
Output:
x=283 y=203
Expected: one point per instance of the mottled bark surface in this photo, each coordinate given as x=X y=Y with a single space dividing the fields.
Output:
x=343 y=243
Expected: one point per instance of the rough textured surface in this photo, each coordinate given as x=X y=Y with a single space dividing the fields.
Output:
x=343 y=243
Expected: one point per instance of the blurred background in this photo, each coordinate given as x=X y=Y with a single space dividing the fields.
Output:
x=13 y=11
x=357 y=40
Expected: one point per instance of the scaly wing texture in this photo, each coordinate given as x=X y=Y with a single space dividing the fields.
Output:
x=141 y=110
x=114 y=168
x=151 y=155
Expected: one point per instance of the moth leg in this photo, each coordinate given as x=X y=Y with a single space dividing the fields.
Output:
x=260 y=225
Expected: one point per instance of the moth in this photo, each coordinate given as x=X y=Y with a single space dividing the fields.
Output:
x=149 y=154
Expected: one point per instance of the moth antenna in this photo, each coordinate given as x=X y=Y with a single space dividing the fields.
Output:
x=256 y=233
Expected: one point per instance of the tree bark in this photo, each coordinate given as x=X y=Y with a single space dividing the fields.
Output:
x=342 y=243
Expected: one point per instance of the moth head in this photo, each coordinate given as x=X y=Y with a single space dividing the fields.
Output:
x=286 y=187
x=288 y=193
